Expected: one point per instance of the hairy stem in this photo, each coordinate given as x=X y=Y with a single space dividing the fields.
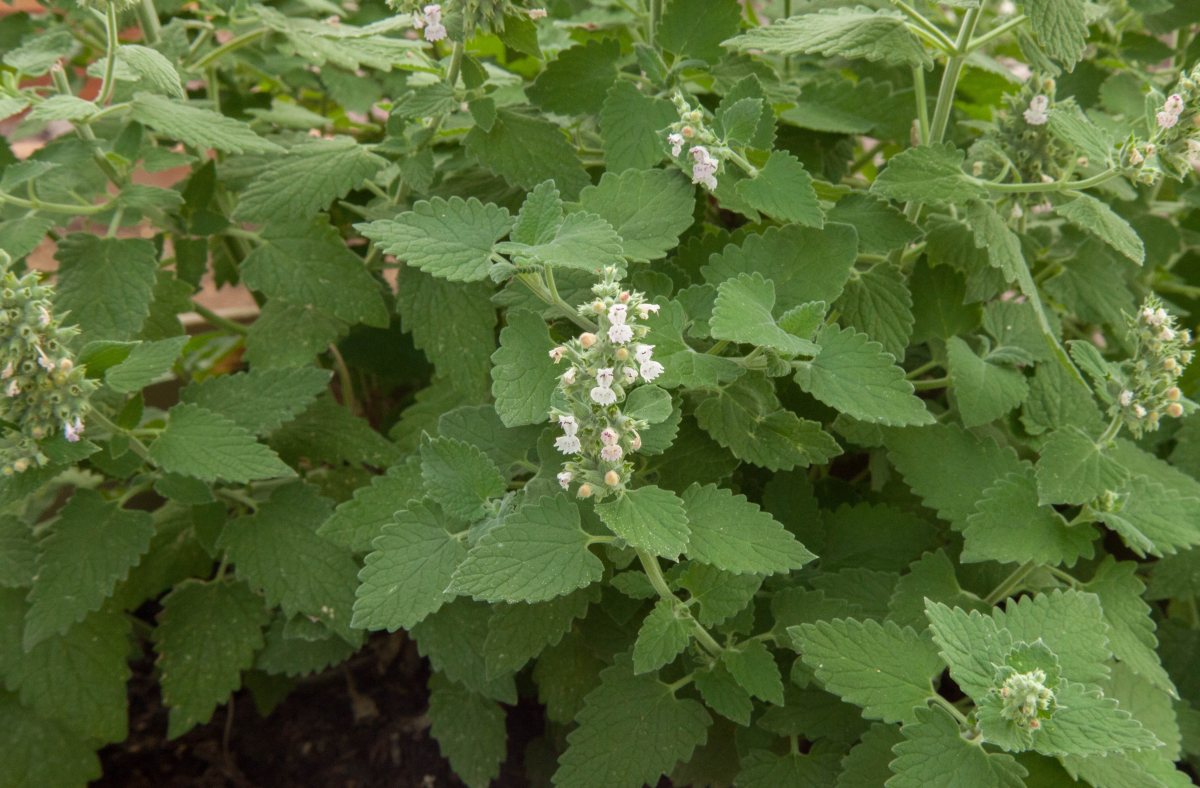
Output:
x=107 y=83
x=654 y=573
x=1010 y=584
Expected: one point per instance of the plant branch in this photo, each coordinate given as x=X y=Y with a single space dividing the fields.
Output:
x=218 y=320
x=996 y=32
x=1010 y=584
x=231 y=45
x=107 y=83
x=655 y=575
x=939 y=39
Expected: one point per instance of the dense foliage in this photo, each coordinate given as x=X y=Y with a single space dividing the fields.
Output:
x=778 y=403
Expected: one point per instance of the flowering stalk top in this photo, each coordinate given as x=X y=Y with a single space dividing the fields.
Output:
x=1150 y=387
x=602 y=368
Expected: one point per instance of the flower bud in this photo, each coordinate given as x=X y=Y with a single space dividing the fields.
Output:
x=598 y=307
x=587 y=339
x=1174 y=393
x=1175 y=410
x=622 y=354
x=585 y=490
x=612 y=478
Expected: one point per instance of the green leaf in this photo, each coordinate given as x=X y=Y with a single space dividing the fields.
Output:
x=145 y=363
x=259 y=400
x=805 y=263
x=928 y=173
x=150 y=70
x=783 y=190
x=208 y=446
x=724 y=695
x=90 y=547
x=106 y=284
x=665 y=632
x=696 y=28
x=470 y=731
x=743 y=313
x=631 y=731
x=881 y=227
x=576 y=82
x=309 y=263
x=36 y=56
x=1093 y=216
x=454 y=324
x=972 y=645
x=76 y=679
x=648 y=518
x=328 y=432
x=766 y=769
x=649 y=209
x=984 y=391
x=288 y=655
x=1060 y=27
x=460 y=477
x=853 y=33
x=452 y=239
x=630 y=122
x=63 y=107
x=733 y=534
x=583 y=241
x=855 y=376
x=1009 y=526
x=199 y=128
x=737 y=120
x=277 y=551
x=1130 y=625
x=536 y=553
x=519 y=632
x=866 y=765
x=356 y=522
x=453 y=640
x=648 y=403
x=993 y=234
x=406 y=576
x=719 y=595
x=939 y=296
x=881 y=667
x=38 y=752
x=1087 y=723
x=525 y=151
x=1154 y=518
x=290 y=335
x=18 y=552
x=206 y=636
x=878 y=303
x=753 y=668
x=934 y=753
x=523 y=376
x=1069 y=622
x=747 y=418
x=305 y=181
x=949 y=468
x=1072 y=469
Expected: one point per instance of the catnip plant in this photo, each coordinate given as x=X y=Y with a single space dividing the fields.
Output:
x=785 y=393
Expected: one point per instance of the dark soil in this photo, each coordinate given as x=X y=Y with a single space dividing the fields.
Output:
x=359 y=725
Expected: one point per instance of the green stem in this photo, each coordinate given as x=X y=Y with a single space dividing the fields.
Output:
x=231 y=45
x=954 y=67
x=217 y=320
x=107 y=83
x=345 y=381
x=655 y=575
x=950 y=707
x=56 y=207
x=138 y=447
x=1069 y=579
x=1054 y=186
x=456 y=58
x=921 y=370
x=922 y=104
x=1110 y=432
x=740 y=161
x=535 y=284
x=1010 y=584
x=931 y=384
x=940 y=39
x=655 y=16
x=716 y=349
x=151 y=28
x=996 y=32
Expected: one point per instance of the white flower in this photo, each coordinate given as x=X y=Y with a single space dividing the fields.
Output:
x=568 y=424
x=645 y=310
x=642 y=353
x=556 y=354
x=567 y=444
x=620 y=333
x=44 y=361
x=568 y=377
x=1006 y=8
x=431 y=21
x=7 y=371
x=1036 y=114
x=564 y=479
x=13 y=389
x=636 y=443
x=630 y=374
x=1193 y=151
x=704 y=167
x=609 y=436
x=1166 y=120
x=72 y=430
x=1135 y=157
x=1126 y=398
x=617 y=313
x=1160 y=316
x=676 y=141
x=1174 y=104
x=536 y=13
x=1139 y=411
x=651 y=370
x=604 y=377
x=603 y=395
x=43 y=316
x=418 y=21
x=612 y=453
x=1166 y=334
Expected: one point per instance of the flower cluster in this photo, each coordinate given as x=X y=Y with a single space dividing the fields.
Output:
x=42 y=391
x=1149 y=389
x=603 y=367
x=1025 y=698
x=1174 y=144
x=1037 y=112
x=702 y=146
x=429 y=19
x=1021 y=146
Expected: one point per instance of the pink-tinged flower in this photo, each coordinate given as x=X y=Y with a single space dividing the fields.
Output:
x=1174 y=104
x=645 y=310
x=676 y=142
x=13 y=388
x=72 y=430
x=704 y=167
x=567 y=444
x=1193 y=151
x=1174 y=410
x=1036 y=114
x=7 y=372
x=568 y=424
x=568 y=377
x=620 y=333
x=1136 y=158
x=44 y=361
x=603 y=395
x=651 y=370
x=587 y=339
x=43 y=316
x=636 y=442
x=612 y=453
x=432 y=23
x=630 y=374
x=564 y=479
x=536 y=13
x=1166 y=120
x=1139 y=411
x=609 y=436
x=604 y=376
x=556 y=354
